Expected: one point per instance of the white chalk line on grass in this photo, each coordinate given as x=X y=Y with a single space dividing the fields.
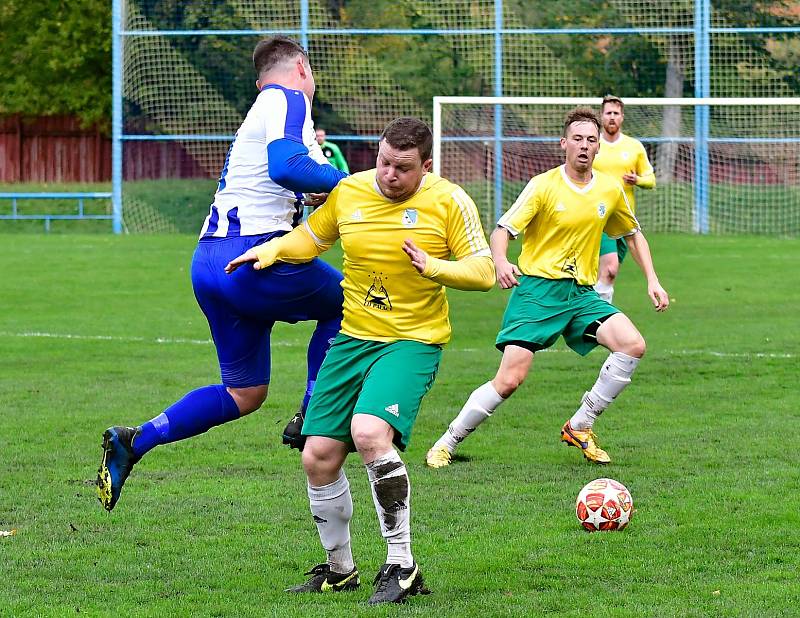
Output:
x=289 y=344
x=164 y=340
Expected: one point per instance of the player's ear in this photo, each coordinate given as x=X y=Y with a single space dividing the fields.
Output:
x=563 y=143
x=427 y=165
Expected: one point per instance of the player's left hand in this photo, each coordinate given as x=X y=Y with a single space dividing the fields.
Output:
x=658 y=295
x=314 y=199
x=630 y=178
x=419 y=258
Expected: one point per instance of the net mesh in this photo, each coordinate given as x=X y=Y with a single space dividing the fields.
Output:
x=753 y=162
x=192 y=90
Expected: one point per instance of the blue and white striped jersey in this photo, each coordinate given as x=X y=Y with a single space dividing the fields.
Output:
x=248 y=200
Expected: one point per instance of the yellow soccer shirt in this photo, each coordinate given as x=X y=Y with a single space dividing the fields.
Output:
x=385 y=298
x=622 y=156
x=563 y=223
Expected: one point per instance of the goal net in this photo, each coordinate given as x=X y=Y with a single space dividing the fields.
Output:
x=184 y=81
x=723 y=166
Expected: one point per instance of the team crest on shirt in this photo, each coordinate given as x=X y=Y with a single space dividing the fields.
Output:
x=560 y=207
x=570 y=266
x=378 y=296
x=625 y=154
x=410 y=217
x=601 y=209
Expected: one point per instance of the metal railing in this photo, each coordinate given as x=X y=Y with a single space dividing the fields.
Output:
x=79 y=214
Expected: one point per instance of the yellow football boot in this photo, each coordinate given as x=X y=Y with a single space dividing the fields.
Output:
x=586 y=441
x=438 y=457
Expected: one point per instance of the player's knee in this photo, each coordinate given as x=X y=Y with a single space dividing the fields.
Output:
x=372 y=435
x=608 y=272
x=249 y=399
x=322 y=468
x=636 y=347
x=312 y=462
x=640 y=347
x=367 y=439
x=507 y=382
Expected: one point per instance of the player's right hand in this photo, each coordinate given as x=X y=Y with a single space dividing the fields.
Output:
x=261 y=256
x=507 y=274
x=630 y=178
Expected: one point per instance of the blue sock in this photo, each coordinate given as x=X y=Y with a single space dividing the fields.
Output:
x=318 y=347
x=196 y=413
x=307 y=397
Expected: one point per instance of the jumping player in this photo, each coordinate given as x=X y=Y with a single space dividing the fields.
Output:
x=273 y=159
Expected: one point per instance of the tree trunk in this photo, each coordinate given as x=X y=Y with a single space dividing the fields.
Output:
x=668 y=151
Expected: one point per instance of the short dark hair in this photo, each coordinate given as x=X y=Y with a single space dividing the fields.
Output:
x=610 y=98
x=581 y=114
x=406 y=133
x=272 y=51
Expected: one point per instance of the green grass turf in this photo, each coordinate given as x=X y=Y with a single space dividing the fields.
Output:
x=180 y=205
x=219 y=525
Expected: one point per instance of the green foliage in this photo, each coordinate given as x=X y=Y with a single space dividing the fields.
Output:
x=430 y=63
x=224 y=61
x=56 y=58
x=57 y=53
x=780 y=53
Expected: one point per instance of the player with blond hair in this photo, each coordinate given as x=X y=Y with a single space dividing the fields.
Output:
x=561 y=215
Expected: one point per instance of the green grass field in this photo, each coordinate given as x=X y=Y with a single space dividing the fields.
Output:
x=180 y=205
x=98 y=330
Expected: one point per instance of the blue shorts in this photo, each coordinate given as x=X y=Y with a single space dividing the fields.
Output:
x=242 y=307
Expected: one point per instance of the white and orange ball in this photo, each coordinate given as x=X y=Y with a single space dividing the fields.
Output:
x=604 y=504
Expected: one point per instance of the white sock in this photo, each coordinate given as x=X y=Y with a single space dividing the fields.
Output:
x=614 y=376
x=605 y=291
x=391 y=492
x=332 y=508
x=481 y=404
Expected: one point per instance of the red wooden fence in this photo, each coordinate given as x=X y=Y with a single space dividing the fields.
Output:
x=58 y=149
x=52 y=149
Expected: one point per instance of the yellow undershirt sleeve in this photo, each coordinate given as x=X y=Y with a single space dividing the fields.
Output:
x=647 y=176
x=296 y=247
x=648 y=181
x=475 y=272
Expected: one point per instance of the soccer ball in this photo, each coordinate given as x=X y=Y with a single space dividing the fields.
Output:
x=604 y=504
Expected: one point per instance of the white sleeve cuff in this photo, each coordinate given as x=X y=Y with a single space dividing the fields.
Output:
x=509 y=228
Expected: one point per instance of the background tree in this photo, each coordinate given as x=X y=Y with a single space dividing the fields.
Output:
x=56 y=59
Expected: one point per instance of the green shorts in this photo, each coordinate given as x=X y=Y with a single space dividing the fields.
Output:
x=540 y=310
x=387 y=380
x=610 y=245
